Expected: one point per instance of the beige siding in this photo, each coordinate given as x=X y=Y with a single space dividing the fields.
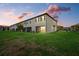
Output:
x=47 y=22
x=13 y=27
x=50 y=23
x=34 y=23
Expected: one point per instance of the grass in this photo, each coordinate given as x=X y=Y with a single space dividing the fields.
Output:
x=50 y=44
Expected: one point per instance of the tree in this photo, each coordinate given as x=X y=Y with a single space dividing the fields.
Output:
x=60 y=28
x=20 y=27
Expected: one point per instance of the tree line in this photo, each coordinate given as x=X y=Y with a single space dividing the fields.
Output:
x=74 y=28
x=21 y=28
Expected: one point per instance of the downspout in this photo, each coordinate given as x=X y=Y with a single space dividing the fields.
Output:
x=46 y=23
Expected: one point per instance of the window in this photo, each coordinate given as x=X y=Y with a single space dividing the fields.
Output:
x=26 y=23
x=30 y=22
x=40 y=29
x=40 y=18
x=43 y=18
x=53 y=25
x=37 y=19
x=43 y=29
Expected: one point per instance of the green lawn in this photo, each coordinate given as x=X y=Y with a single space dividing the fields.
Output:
x=55 y=44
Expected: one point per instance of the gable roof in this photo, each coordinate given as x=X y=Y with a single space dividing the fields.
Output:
x=35 y=17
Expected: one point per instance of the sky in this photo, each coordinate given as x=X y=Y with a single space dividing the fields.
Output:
x=11 y=13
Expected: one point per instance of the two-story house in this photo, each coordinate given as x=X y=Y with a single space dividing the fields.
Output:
x=39 y=23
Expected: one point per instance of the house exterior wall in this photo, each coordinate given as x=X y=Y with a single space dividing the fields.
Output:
x=43 y=20
x=13 y=27
x=31 y=23
x=51 y=25
x=34 y=22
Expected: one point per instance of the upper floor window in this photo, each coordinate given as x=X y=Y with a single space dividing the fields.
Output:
x=30 y=22
x=26 y=22
x=40 y=18
x=53 y=25
x=43 y=17
x=37 y=19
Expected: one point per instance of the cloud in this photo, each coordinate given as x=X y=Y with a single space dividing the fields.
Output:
x=25 y=14
x=9 y=16
x=54 y=9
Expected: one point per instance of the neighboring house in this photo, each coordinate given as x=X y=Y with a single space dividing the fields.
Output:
x=40 y=23
x=75 y=27
x=4 y=28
